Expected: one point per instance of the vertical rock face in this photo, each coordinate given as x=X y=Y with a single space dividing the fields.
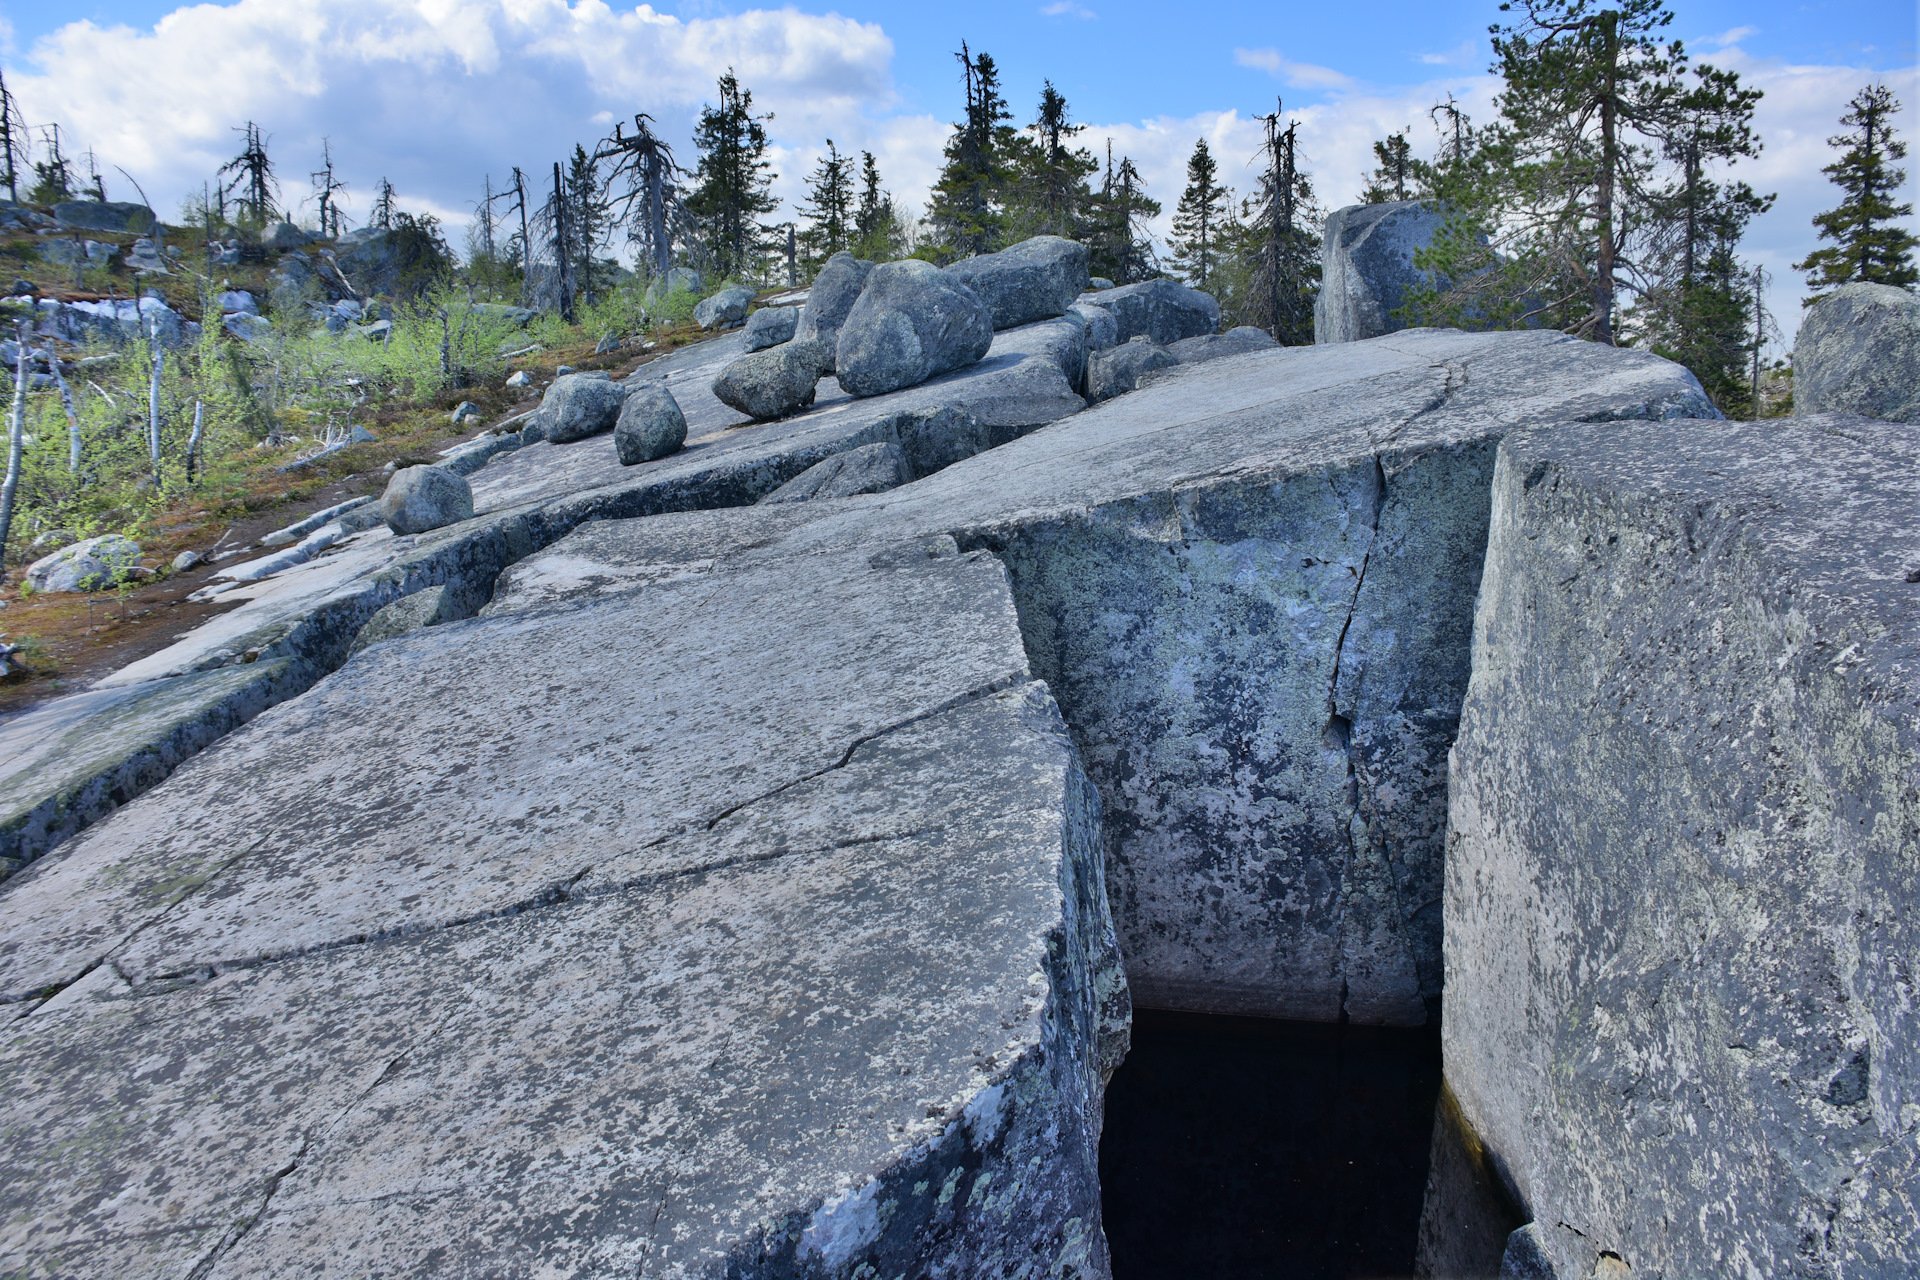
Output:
x=1858 y=351
x=1681 y=874
x=1366 y=267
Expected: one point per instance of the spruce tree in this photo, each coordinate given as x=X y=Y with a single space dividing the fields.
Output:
x=1397 y=175
x=1868 y=246
x=731 y=184
x=587 y=223
x=968 y=208
x=878 y=232
x=1200 y=219
x=1282 y=242
x=1053 y=173
x=53 y=176
x=829 y=209
x=1120 y=247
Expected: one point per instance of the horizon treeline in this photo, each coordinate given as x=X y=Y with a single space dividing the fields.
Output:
x=1595 y=201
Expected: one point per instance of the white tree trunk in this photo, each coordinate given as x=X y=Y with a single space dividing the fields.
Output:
x=73 y=416
x=153 y=406
x=16 y=432
x=193 y=441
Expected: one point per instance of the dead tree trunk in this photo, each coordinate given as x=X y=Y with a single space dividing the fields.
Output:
x=16 y=435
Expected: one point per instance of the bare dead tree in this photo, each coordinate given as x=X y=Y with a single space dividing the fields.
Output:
x=16 y=436
x=252 y=178
x=648 y=165
x=326 y=190
x=73 y=415
x=13 y=140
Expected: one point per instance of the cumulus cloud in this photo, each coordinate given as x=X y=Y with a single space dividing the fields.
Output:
x=1295 y=75
x=435 y=94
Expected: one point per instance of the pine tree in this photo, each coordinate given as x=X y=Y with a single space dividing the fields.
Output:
x=731 y=185
x=52 y=177
x=1867 y=244
x=968 y=210
x=829 y=209
x=1052 y=173
x=1397 y=175
x=383 y=207
x=1200 y=219
x=878 y=230
x=1120 y=247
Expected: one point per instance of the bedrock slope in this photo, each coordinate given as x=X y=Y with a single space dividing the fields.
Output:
x=660 y=962
x=1681 y=1006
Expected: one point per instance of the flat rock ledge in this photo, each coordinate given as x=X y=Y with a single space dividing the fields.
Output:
x=1681 y=877
x=506 y=1012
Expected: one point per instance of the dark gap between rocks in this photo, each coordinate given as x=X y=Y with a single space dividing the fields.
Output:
x=1246 y=1147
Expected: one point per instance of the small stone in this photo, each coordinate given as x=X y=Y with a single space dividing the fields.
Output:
x=93 y=565
x=422 y=498
x=609 y=342
x=520 y=378
x=187 y=560
x=466 y=411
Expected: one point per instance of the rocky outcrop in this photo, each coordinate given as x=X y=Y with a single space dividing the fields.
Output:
x=1858 y=352
x=421 y=498
x=103 y=215
x=773 y=383
x=1215 y=346
x=911 y=322
x=1367 y=268
x=97 y=564
x=726 y=309
x=1681 y=876
x=872 y=468
x=1036 y=279
x=390 y=1016
x=771 y=326
x=651 y=426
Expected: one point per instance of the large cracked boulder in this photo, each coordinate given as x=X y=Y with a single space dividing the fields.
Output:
x=1162 y=310
x=97 y=564
x=911 y=322
x=651 y=425
x=871 y=468
x=1367 y=268
x=421 y=498
x=579 y=405
x=726 y=309
x=1036 y=279
x=831 y=298
x=1682 y=880
x=1858 y=352
x=775 y=383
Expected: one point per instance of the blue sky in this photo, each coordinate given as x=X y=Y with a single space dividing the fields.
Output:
x=436 y=94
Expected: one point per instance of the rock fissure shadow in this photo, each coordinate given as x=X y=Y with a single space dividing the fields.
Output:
x=1248 y=1147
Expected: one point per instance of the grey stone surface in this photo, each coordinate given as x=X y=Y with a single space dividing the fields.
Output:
x=832 y=296
x=1036 y=279
x=770 y=326
x=651 y=426
x=911 y=322
x=95 y=564
x=284 y=237
x=1858 y=351
x=871 y=468
x=103 y=215
x=247 y=328
x=1681 y=870
x=1118 y=370
x=1366 y=267
x=776 y=382
x=579 y=405
x=745 y=1020
x=726 y=309
x=1162 y=310
x=421 y=498
x=1214 y=346
x=428 y=608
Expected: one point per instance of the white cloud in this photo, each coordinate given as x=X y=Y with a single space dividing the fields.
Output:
x=1729 y=38
x=1295 y=75
x=1068 y=9
x=435 y=94
x=1463 y=54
